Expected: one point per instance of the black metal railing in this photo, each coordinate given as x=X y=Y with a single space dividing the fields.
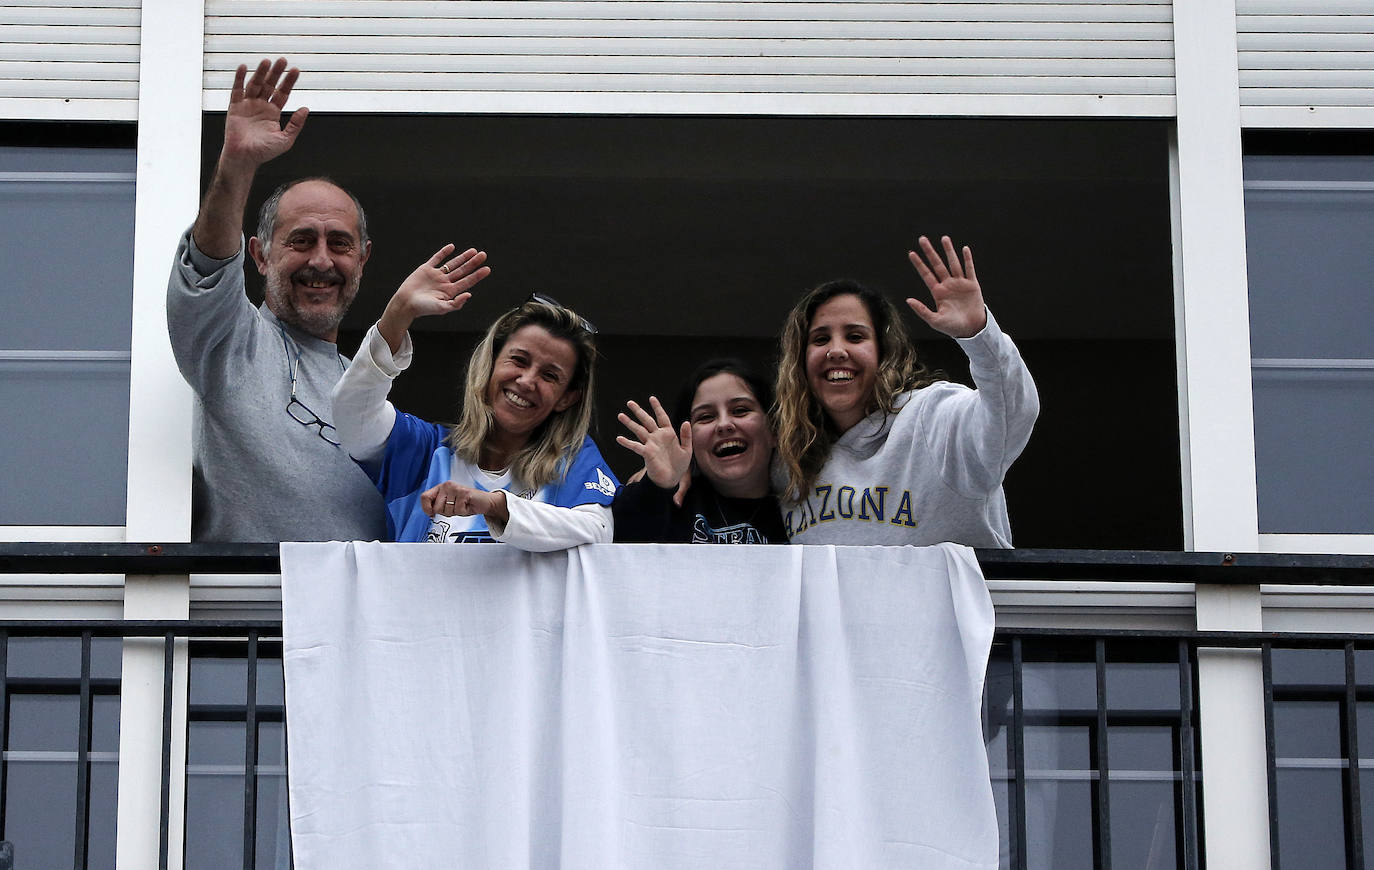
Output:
x=251 y=636
x=1346 y=683
x=1124 y=565
x=1099 y=719
x=168 y=632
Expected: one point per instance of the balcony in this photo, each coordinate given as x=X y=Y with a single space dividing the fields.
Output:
x=1094 y=733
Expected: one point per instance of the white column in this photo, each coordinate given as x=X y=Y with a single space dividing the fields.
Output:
x=1211 y=293
x=159 y=500
x=1235 y=784
x=1217 y=419
x=137 y=837
x=169 y=107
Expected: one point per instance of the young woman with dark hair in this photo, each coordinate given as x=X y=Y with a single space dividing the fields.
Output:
x=872 y=447
x=726 y=442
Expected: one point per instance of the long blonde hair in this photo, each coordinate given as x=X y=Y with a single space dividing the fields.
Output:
x=551 y=448
x=805 y=431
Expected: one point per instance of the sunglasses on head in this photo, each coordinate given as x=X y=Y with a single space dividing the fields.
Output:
x=544 y=299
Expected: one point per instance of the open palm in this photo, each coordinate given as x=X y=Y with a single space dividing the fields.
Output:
x=953 y=284
x=253 y=132
x=667 y=452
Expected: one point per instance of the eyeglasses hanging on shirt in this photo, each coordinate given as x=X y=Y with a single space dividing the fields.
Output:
x=295 y=408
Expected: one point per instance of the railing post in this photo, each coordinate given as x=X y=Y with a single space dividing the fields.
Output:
x=1235 y=783
x=139 y=842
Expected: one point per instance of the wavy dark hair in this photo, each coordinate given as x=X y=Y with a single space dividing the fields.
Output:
x=805 y=432
x=757 y=384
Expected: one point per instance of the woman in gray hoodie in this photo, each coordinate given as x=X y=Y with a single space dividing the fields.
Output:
x=875 y=449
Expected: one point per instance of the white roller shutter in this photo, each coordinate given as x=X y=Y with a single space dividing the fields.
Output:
x=71 y=61
x=964 y=57
x=1306 y=63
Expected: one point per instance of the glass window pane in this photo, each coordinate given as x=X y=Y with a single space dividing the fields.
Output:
x=1309 y=667
x=270 y=684
x=1326 y=490
x=218 y=681
x=1307 y=226
x=64 y=341
x=1058 y=747
x=1143 y=830
x=1364 y=667
x=1307 y=729
x=40 y=812
x=104 y=812
x=214 y=793
x=1142 y=685
x=1059 y=825
x=44 y=723
x=1364 y=722
x=107 y=658
x=105 y=723
x=1311 y=818
x=43 y=657
x=271 y=744
x=66 y=199
x=217 y=744
x=1367 y=810
x=214 y=820
x=1140 y=747
x=273 y=831
x=1060 y=685
x=79 y=443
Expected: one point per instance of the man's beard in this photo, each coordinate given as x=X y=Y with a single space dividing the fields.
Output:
x=321 y=323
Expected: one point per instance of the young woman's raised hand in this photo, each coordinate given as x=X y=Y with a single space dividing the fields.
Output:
x=959 y=311
x=667 y=452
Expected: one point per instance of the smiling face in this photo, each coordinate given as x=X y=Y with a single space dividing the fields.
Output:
x=314 y=263
x=842 y=359
x=529 y=381
x=731 y=439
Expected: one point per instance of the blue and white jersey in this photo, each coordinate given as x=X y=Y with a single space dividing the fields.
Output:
x=417 y=459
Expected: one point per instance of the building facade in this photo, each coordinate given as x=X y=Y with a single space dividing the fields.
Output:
x=1175 y=199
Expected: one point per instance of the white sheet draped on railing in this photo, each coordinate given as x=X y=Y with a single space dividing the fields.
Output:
x=636 y=706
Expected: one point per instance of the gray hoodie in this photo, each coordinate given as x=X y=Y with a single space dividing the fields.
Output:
x=932 y=471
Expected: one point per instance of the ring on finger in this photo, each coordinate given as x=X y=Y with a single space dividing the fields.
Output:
x=444 y=268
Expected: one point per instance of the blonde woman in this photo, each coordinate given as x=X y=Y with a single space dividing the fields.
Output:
x=875 y=449
x=518 y=467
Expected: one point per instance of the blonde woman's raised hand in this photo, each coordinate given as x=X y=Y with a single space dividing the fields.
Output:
x=441 y=285
x=959 y=311
x=666 y=451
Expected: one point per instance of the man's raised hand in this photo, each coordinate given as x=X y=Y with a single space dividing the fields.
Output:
x=253 y=132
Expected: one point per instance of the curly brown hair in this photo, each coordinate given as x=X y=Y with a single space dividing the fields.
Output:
x=805 y=432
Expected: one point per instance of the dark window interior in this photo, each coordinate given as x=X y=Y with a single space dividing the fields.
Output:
x=684 y=238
